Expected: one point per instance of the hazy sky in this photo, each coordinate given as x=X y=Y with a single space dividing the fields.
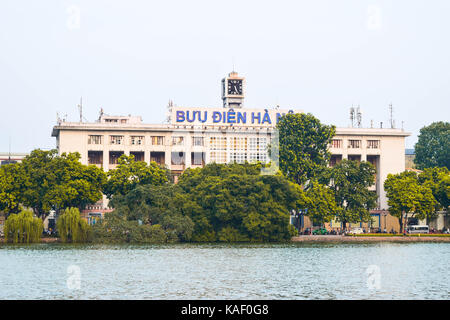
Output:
x=131 y=57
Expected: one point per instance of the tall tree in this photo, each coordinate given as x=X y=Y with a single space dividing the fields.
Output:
x=438 y=180
x=303 y=146
x=350 y=181
x=130 y=173
x=407 y=196
x=433 y=147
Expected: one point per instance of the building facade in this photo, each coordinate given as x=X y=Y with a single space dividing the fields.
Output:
x=193 y=137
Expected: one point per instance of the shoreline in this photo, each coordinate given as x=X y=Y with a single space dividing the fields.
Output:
x=344 y=239
x=324 y=239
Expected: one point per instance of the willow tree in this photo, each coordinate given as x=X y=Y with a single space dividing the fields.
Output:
x=71 y=227
x=23 y=228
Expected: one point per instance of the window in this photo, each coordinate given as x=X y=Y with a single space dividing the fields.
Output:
x=373 y=144
x=238 y=143
x=239 y=157
x=218 y=156
x=218 y=143
x=198 y=158
x=257 y=148
x=94 y=139
x=178 y=158
x=136 y=140
x=336 y=143
x=197 y=141
x=354 y=144
x=157 y=140
x=114 y=157
x=178 y=141
x=116 y=139
x=95 y=157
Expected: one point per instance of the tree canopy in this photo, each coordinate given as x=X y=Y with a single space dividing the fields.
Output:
x=319 y=203
x=406 y=195
x=433 y=147
x=350 y=182
x=44 y=181
x=130 y=173
x=235 y=203
x=303 y=146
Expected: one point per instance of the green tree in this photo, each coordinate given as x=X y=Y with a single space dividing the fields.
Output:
x=349 y=181
x=407 y=196
x=438 y=180
x=303 y=146
x=71 y=227
x=54 y=182
x=23 y=228
x=130 y=173
x=156 y=205
x=235 y=203
x=11 y=187
x=319 y=202
x=433 y=147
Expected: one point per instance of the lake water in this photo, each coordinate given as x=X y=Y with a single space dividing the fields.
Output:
x=214 y=271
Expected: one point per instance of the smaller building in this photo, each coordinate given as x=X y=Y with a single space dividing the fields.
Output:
x=410 y=154
x=8 y=157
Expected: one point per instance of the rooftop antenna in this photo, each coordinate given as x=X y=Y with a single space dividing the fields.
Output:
x=80 y=108
x=391 y=120
x=352 y=116
x=358 y=117
x=9 y=152
x=101 y=114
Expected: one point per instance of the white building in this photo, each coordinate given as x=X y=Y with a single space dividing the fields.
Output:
x=193 y=137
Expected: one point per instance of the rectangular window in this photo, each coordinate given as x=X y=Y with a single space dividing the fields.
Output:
x=95 y=157
x=178 y=141
x=218 y=143
x=114 y=156
x=157 y=140
x=218 y=156
x=373 y=144
x=178 y=158
x=197 y=141
x=136 y=140
x=336 y=143
x=238 y=157
x=354 y=144
x=198 y=158
x=116 y=140
x=93 y=139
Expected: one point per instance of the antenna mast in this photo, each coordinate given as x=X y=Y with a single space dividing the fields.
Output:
x=391 y=118
x=80 y=108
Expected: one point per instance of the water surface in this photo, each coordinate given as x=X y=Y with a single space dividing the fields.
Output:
x=215 y=271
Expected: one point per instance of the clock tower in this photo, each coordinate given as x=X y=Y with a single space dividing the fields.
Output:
x=233 y=90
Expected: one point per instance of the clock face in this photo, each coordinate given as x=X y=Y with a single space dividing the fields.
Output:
x=235 y=87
